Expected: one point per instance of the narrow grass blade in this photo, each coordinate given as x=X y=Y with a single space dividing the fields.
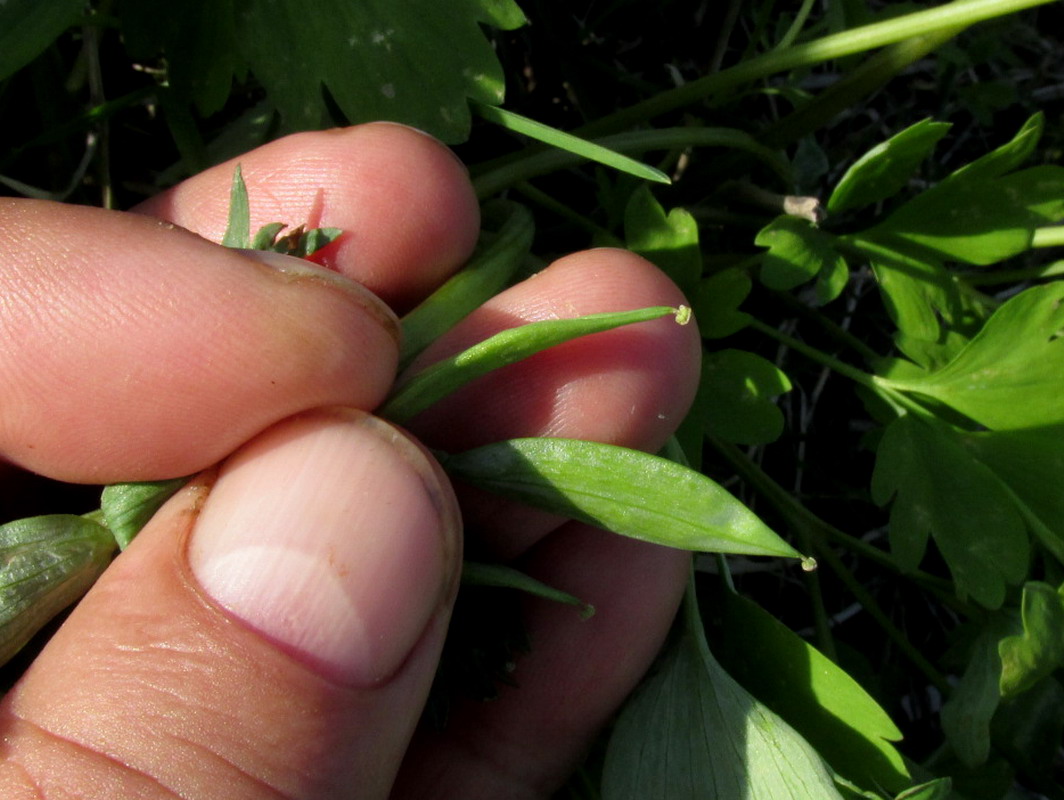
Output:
x=489 y=270
x=505 y=348
x=566 y=141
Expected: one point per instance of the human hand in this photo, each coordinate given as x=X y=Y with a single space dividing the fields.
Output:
x=274 y=630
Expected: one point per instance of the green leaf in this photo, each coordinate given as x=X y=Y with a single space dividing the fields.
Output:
x=506 y=347
x=493 y=264
x=127 y=507
x=238 y=225
x=885 y=170
x=1029 y=656
x=977 y=223
x=716 y=303
x=27 y=27
x=1011 y=375
x=825 y=705
x=692 y=733
x=797 y=252
x=939 y=489
x=1005 y=158
x=624 y=491
x=669 y=241
x=501 y=576
x=46 y=563
x=923 y=301
x=414 y=62
x=741 y=389
x=568 y=142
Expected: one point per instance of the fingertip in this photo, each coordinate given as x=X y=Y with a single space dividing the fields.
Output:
x=403 y=199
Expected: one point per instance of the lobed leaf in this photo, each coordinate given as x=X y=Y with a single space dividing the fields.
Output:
x=1011 y=375
x=716 y=303
x=741 y=389
x=1038 y=650
x=46 y=563
x=668 y=240
x=885 y=169
x=940 y=490
x=692 y=733
x=624 y=491
x=798 y=251
x=415 y=62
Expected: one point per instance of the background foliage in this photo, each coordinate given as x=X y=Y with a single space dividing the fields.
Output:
x=883 y=367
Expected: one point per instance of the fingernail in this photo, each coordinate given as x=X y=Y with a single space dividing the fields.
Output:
x=299 y=269
x=333 y=536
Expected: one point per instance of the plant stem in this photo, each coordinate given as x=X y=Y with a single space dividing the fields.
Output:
x=960 y=13
x=857 y=84
x=816 y=531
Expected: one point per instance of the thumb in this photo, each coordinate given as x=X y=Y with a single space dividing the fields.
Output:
x=272 y=632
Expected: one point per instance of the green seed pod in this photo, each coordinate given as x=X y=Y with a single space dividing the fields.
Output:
x=46 y=563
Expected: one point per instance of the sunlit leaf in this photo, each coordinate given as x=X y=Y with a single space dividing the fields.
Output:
x=570 y=143
x=622 y=490
x=1038 y=650
x=741 y=389
x=127 y=507
x=885 y=169
x=797 y=253
x=1011 y=375
x=46 y=563
x=977 y=223
x=668 y=240
x=940 y=490
x=436 y=381
x=824 y=704
x=692 y=733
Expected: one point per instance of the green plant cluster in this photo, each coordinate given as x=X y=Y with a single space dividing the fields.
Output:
x=861 y=202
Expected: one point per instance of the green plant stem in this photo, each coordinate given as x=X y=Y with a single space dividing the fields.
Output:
x=602 y=236
x=857 y=84
x=1010 y=276
x=816 y=531
x=886 y=389
x=832 y=328
x=796 y=26
x=960 y=13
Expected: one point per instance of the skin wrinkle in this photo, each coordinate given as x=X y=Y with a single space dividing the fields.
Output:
x=107 y=762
